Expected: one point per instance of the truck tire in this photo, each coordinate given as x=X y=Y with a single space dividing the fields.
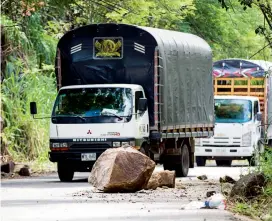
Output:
x=145 y=150
x=253 y=161
x=200 y=161
x=65 y=172
x=183 y=168
x=223 y=163
x=181 y=164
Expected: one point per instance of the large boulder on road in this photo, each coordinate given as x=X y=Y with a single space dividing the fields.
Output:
x=121 y=169
x=248 y=186
x=162 y=178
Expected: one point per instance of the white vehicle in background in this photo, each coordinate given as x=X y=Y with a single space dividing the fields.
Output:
x=243 y=109
x=237 y=132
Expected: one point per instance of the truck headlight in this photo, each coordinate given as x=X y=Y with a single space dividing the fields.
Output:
x=116 y=144
x=59 y=145
x=55 y=145
x=63 y=145
x=246 y=139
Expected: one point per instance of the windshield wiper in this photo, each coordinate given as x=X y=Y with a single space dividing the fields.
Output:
x=112 y=114
x=76 y=116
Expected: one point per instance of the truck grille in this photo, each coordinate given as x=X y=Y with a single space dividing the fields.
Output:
x=97 y=148
x=222 y=142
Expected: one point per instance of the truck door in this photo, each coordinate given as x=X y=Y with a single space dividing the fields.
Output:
x=142 y=119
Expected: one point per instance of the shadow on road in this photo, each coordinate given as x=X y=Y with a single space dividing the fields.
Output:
x=73 y=181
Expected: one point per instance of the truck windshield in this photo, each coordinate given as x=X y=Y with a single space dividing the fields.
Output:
x=232 y=111
x=93 y=105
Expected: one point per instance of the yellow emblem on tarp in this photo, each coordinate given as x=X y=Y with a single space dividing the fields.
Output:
x=108 y=48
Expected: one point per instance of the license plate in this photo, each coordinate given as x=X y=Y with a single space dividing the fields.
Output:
x=88 y=156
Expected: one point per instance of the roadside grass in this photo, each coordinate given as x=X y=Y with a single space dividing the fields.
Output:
x=44 y=166
x=259 y=208
x=25 y=139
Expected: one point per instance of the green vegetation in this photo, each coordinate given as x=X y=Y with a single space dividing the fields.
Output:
x=30 y=30
x=262 y=205
x=26 y=138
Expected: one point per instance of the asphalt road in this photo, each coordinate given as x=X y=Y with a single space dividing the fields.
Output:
x=45 y=198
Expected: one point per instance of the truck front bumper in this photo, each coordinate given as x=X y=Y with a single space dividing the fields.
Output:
x=212 y=151
x=69 y=156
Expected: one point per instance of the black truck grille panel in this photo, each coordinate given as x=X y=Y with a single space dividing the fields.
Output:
x=96 y=148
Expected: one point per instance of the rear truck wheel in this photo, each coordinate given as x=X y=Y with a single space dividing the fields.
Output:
x=180 y=165
x=201 y=161
x=270 y=143
x=145 y=150
x=183 y=169
x=221 y=163
x=254 y=160
x=65 y=172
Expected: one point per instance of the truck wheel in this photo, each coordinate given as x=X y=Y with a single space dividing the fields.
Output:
x=145 y=150
x=223 y=163
x=182 y=168
x=253 y=161
x=200 y=161
x=65 y=172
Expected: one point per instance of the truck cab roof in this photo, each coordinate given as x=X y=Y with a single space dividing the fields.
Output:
x=132 y=86
x=251 y=98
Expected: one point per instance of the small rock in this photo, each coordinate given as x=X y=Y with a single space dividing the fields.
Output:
x=226 y=188
x=210 y=193
x=249 y=186
x=8 y=167
x=227 y=179
x=24 y=171
x=164 y=179
x=203 y=177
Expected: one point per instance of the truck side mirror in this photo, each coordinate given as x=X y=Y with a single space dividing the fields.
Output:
x=33 y=108
x=259 y=116
x=142 y=104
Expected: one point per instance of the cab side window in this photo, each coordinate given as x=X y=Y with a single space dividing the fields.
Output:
x=138 y=94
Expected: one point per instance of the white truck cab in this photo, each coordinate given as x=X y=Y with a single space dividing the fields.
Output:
x=237 y=132
x=115 y=116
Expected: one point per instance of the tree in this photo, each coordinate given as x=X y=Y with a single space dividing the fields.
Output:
x=153 y=13
x=265 y=7
x=230 y=33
